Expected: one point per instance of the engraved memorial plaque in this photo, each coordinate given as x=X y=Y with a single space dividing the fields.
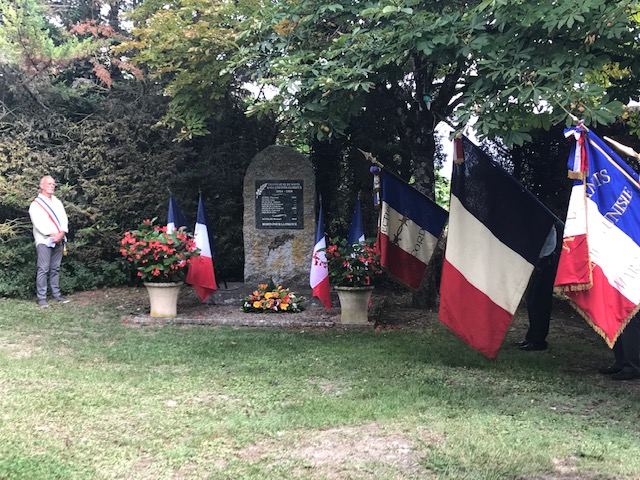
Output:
x=279 y=204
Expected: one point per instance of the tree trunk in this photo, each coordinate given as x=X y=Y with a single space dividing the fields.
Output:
x=422 y=146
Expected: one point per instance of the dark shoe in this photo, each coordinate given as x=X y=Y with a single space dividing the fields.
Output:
x=611 y=369
x=61 y=299
x=626 y=374
x=533 y=347
x=43 y=303
x=522 y=343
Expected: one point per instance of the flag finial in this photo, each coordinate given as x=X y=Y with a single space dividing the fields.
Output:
x=369 y=156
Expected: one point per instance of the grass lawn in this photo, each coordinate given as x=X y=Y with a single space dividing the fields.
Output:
x=86 y=395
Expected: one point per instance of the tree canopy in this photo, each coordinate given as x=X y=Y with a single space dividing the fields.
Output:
x=514 y=66
x=340 y=70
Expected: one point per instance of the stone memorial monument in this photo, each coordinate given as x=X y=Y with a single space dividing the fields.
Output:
x=279 y=218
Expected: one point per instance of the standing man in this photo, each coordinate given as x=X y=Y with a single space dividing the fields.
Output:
x=50 y=227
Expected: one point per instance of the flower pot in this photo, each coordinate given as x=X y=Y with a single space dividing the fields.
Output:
x=354 y=304
x=163 y=298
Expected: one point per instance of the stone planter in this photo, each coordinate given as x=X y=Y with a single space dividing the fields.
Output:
x=354 y=304
x=163 y=298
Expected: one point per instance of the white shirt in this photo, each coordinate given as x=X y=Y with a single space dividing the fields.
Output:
x=550 y=243
x=42 y=212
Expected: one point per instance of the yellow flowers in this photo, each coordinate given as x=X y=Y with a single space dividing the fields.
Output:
x=272 y=298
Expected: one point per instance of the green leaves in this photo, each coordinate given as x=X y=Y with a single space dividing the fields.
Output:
x=29 y=41
x=325 y=58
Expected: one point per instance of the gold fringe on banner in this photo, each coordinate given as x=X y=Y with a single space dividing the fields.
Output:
x=598 y=330
x=573 y=288
x=577 y=175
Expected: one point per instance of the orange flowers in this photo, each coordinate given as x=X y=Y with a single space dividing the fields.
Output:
x=272 y=298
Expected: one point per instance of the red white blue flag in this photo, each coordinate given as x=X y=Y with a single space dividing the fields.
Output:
x=599 y=266
x=496 y=232
x=201 y=274
x=175 y=218
x=319 y=276
x=410 y=224
x=356 y=230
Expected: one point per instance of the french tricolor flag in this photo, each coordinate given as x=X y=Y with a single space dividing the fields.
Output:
x=201 y=274
x=319 y=276
x=496 y=232
x=599 y=266
x=410 y=224
x=175 y=218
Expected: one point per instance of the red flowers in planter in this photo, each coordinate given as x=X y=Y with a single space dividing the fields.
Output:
x=158 y=256
x=352 y=264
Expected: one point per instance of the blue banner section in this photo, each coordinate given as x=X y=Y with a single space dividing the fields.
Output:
x=409 y=202
x=613 y=186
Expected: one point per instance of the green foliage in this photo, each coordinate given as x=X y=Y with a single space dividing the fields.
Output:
x=183 y=42
x=113 y=165
x=632 y=118
x=77 y=275
x=112 y=169
x=26 y=38
x=545 y=62
x=18 y=269
x=443 y=190
x=515 y=66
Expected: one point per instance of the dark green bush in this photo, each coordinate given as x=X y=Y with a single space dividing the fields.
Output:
x=17 y=267
x=76 y=275
x=18 y=270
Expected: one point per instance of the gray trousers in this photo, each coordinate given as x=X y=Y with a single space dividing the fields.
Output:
x=48 y=266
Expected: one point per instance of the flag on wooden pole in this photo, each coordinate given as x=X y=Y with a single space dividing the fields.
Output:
x=496 y=232
x=410 y=224
x=599 y=263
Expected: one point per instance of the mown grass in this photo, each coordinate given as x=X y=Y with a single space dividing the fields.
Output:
x=84 y=395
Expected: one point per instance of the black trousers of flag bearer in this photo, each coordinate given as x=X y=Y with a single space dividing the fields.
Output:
x=540 y=296
x=626 y=351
